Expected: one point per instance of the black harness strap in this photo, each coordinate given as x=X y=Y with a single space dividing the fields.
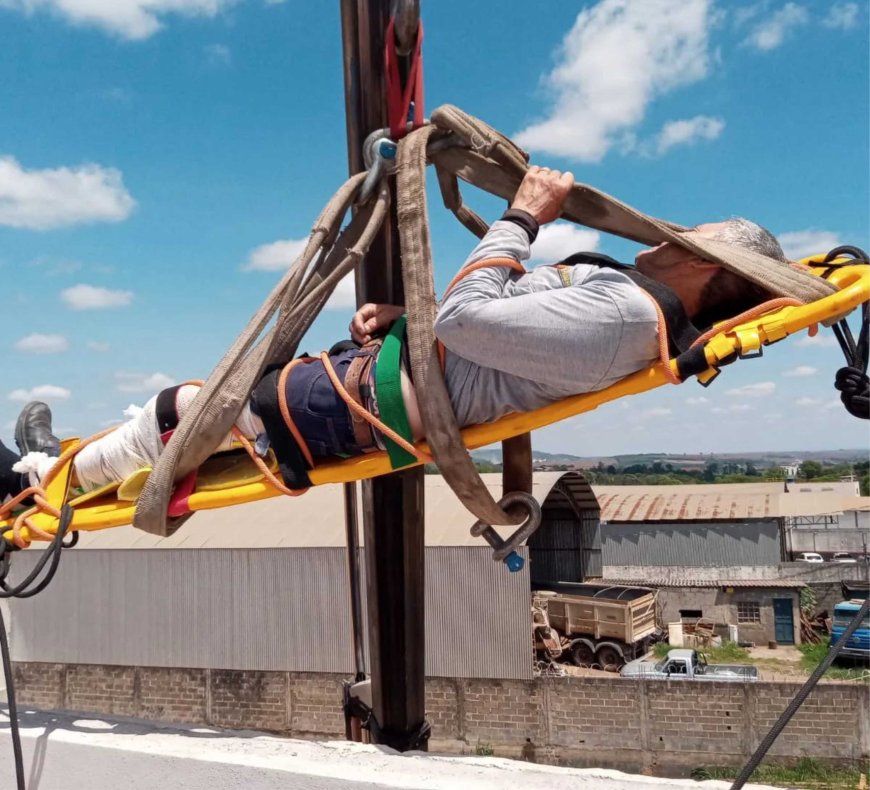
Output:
x=682 y=333
x=291 y=461
x=167 y=414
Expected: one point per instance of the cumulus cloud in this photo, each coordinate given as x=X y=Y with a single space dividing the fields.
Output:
x=699 y=401
x=771 y=32
x=759 y=390
x=40 y=392
x=276 y=256
x=37 y=343
x=842 y=16
x=280 y=255
x=803 y=243
x=687 y=131
x=617 y=58
x=826 y=340
x=100 y=346
x=217 y=54
x=807 y=402
x=143 y=382
x=657 y=411
x=92 y=297
x=558 y=240
x=128 y=19
x=801 y=371
x=734 y=408
x=61 y=197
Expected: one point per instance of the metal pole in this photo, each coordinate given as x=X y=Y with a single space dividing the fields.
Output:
x=392 y=505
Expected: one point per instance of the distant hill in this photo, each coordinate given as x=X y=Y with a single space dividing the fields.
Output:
x=687 y=460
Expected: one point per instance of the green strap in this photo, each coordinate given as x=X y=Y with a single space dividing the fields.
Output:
x=388 y=389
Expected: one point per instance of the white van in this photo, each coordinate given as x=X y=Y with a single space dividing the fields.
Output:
x=808 y=556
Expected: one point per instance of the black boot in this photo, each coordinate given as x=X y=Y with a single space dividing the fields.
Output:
x=33 y=430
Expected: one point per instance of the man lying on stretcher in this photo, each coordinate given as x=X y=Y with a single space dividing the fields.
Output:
x=514 y=342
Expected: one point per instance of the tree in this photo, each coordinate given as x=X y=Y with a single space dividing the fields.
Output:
x=751 y=471
x=810 y=469
x=710 y=472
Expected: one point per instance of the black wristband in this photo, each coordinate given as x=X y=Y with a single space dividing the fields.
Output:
x=525 y=220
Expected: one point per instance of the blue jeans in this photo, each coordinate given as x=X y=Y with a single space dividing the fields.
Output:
x=320 y=415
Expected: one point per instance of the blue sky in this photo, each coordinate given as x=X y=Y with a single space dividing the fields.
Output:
x=158 y=158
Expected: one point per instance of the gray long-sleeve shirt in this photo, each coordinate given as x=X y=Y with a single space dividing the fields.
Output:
x=518 y=342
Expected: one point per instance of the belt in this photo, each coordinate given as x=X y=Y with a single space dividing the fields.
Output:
x=358 y=372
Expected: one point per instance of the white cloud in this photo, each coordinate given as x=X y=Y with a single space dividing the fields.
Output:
x=808 y=402
x=344 y=295
x=759 y=390
x=275 y=256
x=129 y=19
x=734 y=408
x=100 y=346
x=803 y=243
x=772 y=32
x=143 y=382
x=826 y=340
x=217 y=54
x=280 y=255
x=41 y=392
x=558 y=240
x=688 y=131
x=92 y=297
x=699 y=401
x=657 y=411
x=616 y=59
x=37 y=343
x=801 y=371
x=842 y=16
x=61 y=197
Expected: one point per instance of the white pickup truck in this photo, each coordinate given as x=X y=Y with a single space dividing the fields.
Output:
x=688 y=665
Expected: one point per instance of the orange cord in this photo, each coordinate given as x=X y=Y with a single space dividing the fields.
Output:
x=364 y=414
x=746 y=315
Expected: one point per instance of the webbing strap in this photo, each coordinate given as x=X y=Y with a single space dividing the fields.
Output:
x=388 y=386
x=442 y=432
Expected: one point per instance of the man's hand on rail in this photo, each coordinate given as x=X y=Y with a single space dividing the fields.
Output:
x=372 y=319
x=542 y=193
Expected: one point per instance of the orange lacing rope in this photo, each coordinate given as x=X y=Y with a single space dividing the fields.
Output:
x=486 y=263
x=369 y=418
x=42 y=505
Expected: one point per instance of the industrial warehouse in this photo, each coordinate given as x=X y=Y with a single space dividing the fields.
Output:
x=242 y=618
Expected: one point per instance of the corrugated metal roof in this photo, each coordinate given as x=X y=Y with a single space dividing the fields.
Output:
x=743 y=583
x=317 y=518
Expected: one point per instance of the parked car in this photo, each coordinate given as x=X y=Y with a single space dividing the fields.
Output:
x=681 y=664
x=843 y=556
x=808 y=556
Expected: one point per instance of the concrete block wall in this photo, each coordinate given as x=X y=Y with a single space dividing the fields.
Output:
x=656 y=727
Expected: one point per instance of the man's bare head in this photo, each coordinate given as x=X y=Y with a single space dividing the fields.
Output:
x=709 y=292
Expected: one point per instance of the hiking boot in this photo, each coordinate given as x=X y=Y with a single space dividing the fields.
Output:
x=33 y=430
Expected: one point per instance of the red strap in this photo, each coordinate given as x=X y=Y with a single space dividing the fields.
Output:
x=399 y=100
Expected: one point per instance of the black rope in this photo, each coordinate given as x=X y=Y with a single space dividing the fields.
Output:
x=794 y=705
x=26 y=590
x=852 y=380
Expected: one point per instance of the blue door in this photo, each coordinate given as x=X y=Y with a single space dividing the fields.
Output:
x=783 y=618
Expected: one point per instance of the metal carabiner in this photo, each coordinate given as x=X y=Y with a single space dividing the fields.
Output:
x=379 y=155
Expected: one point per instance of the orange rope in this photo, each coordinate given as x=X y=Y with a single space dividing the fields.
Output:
x=263 y=467
x=664 y=352
x=369 y=418
x=486 y=263
x=285 y=409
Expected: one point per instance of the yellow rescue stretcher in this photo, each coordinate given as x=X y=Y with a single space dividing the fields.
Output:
x=231 y=478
